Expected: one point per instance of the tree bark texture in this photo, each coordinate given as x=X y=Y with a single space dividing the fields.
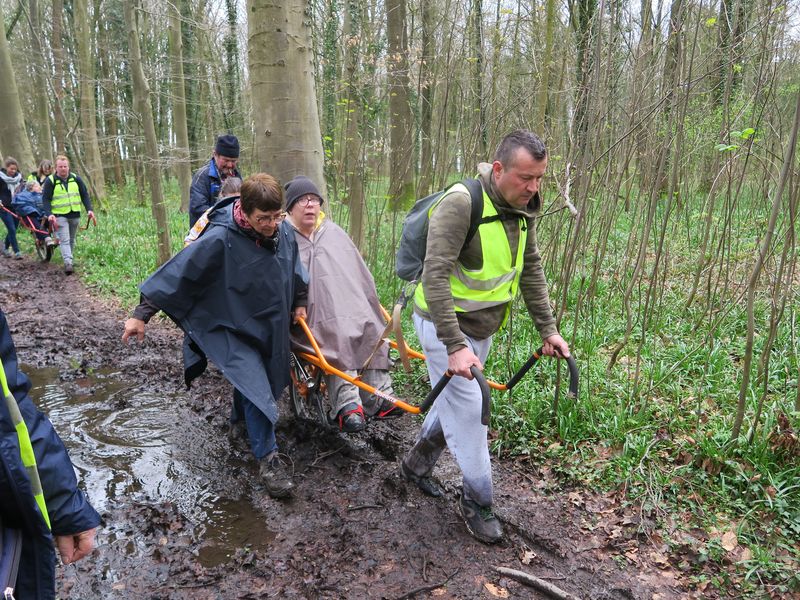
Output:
x=141 y=92
x=88 y=108
x=401 y=126
x=184 y=167
x=13 y=135
x=288 y=140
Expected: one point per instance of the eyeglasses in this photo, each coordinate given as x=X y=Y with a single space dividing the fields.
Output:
x=270 y=219
x=310 y=200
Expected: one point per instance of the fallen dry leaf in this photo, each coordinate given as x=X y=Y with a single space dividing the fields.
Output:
x=495 y=590
x=527 y=557
x=746 y=555
x=729 y=540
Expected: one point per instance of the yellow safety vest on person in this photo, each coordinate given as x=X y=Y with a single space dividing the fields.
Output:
x=497 y=281
x=25 y=446
x=66 y=199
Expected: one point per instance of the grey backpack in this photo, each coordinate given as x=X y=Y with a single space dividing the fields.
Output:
x=413 y=240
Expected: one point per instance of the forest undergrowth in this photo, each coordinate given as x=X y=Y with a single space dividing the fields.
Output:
x=654 y=426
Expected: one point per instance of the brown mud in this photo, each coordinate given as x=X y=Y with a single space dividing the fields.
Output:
x=185 y=517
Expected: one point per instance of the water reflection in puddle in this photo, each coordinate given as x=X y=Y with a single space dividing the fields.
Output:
x=127 y=442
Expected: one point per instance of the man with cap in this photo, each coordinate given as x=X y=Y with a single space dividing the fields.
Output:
x=207 y=181
x=344 y=312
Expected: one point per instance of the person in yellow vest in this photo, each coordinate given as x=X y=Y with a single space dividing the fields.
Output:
x=464 y=298
x=62 y=195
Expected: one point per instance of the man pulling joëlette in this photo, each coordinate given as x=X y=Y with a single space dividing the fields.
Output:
x=464 y=298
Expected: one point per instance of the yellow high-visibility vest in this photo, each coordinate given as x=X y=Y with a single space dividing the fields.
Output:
x=66 y=199
x=497 y=281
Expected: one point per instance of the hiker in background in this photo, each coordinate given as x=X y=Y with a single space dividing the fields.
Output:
x=62 y=195
x=464 y=298
x=233 y=292
x=208 y=180
x=40 y=503
x=229 y=190
x=29 y=203
x=10 y=180
x=344 y=312
x=43 y=172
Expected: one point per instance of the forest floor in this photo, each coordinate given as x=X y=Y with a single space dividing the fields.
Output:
x=353 y=530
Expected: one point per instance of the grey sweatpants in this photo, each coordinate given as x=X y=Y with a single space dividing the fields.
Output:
x=67 y=232
x=454 y=420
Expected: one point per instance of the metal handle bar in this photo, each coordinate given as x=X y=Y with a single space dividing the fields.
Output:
x=571 y=365
x=486 y=396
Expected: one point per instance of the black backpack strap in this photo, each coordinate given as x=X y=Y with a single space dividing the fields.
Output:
x=476 y=196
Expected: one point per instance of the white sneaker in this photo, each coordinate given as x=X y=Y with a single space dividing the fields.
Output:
x=48 y=241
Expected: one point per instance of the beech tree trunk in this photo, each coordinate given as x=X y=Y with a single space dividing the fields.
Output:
x=184 y=168
x=88 y=108
x=401 y=126
x=44 y=136
x=13 y=136
x=141 y=94
x=287 y=134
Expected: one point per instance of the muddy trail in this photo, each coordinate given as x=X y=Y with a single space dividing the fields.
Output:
x=185 y=517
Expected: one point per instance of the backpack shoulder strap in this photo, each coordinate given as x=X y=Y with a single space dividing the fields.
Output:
x=476 y=196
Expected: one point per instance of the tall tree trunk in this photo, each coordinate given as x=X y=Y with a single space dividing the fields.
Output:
x=57 y=46
x=330 y=81
x=179 y=105
x=480 y=149
x=353 y=157
x=44 y=142
x=548 y=66
x=13 y=136
x=288 y=140
x=232 y=112
x=401 y=126
x=141 y=93
x=88 y=109
x=426 y=97
x=111 y=145
x=766 y=242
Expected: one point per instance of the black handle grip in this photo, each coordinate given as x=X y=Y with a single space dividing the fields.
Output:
x=573 y=376
x=434 y=393
x=571 y=365
x=486 y=395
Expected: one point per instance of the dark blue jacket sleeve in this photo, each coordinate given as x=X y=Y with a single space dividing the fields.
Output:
x=84 y=192
x=199 y=195
x=47 y=195
x=68 y=508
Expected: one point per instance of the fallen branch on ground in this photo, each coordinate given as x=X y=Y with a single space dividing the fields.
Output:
x=428 y=588
x=535 y=582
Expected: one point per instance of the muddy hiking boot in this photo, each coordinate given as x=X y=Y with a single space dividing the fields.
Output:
x=480 y=521
x=68 y=268
x=426 y=484
x=388 y=410
x=276 y=475
x=351 y=418
x=237 y=432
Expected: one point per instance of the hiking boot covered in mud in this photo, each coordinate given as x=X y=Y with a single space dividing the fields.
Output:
x=351 y=418
x=237 y=432
x=276 y=475
x=480 y=521
x=426 y=484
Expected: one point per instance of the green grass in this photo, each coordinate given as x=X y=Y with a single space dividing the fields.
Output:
x=664 y=438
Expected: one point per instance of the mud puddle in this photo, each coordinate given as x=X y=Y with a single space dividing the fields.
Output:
x=130 y=443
